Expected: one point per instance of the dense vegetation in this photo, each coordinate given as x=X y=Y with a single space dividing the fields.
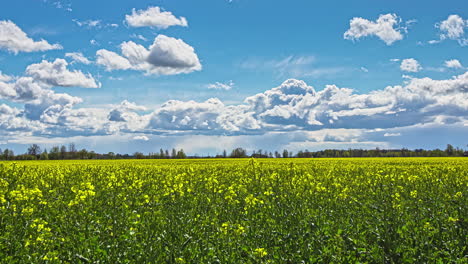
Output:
x=35 y=152
x=235 y=211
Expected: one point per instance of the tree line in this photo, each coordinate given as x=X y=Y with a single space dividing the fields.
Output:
x=35 y=152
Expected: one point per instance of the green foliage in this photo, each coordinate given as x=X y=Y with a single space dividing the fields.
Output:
x=235 y=211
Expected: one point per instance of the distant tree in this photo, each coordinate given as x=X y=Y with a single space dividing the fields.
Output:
x=34 y=150
x=181 y=154
x=72 y=147
x=277 y=154
x=111 y=155
x=174 y=153
x=92 y=155
x=44 y=155
x=54 y=153
x=224 y=154
x=63 y=152
x=285 y=154
x=161 y=153
x=5 y=154
x=138 y=155
x=238 y=153
x=166 y=154
x=449 y=150
x=72 y=151
x=8 y=154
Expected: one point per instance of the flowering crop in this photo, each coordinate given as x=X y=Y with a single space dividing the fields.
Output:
x=235 y=211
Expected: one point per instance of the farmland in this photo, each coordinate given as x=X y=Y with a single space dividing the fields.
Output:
x=411 y=210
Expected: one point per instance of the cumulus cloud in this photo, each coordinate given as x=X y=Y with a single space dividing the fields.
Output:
x=455 y=64
x=111 y=60
x=166 y=56
x=56 y=74
x=12 y=123
x=410 y=65
x=4 y=77
x=294 y=105
x=221 y=86
x=211 y=116
x=125 y=111
x=167 y=52
x=452 y=28
x=387 y=27
x=154 y=17
x=78 y=57
x=41 y=103
x=13 y=39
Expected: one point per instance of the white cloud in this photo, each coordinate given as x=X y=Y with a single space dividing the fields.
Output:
x=112 y=78
x=364 y=69
x=452 y=28
x=140 y=37
x=154 y=17
x=453 y=64
x=60 y=4
x=125 y=111
x=111 y=60
x=56 y=74
x=386 y=27
x=88 y=23
x=41 y=103
x=211 y=116
x=13 y=39
x=166 y=56
x=410 y=65
x=78 y=57
x=142 y=138
x=292 y=66
x=4 y=77
x=339 y=113
x=94 y=42
x=221 y=86
x=172 y=56
x=285 y=64
x=97 y=23
x=392 y=134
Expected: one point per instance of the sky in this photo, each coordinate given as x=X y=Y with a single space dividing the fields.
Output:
x=127 y=76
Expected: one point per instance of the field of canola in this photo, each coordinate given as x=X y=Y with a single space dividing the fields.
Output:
x=410 y=210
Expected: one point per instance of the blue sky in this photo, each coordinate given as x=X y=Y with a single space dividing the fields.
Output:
x=209 y=75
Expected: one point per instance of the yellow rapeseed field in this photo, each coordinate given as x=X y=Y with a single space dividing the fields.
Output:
x=412 y=210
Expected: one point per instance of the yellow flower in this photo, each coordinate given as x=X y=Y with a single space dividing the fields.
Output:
x=260 y=252
x=240 y=230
